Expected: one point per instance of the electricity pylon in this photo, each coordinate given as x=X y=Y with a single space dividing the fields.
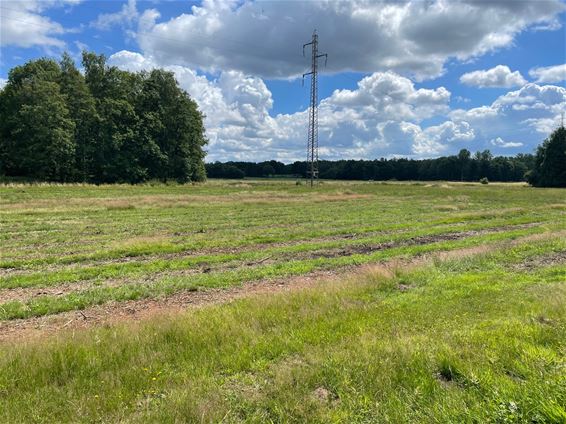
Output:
x=312 y=138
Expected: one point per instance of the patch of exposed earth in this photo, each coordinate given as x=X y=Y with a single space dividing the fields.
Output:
x=542 y=261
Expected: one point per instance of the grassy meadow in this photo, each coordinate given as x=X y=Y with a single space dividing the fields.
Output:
x=356 y=302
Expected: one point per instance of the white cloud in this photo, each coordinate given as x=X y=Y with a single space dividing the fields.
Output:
x=410 y=37
x=422 y=142
x=549 y=74
x=22 y=23
x=390 y=96
x=81 y=46
x=379 y=118
x=3 y=83
x=525 y=116
x=500 y=76
x=499 y=142
x=551 y=25
x=127 y=16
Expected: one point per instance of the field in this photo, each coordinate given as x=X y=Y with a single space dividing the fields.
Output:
x=266 y=301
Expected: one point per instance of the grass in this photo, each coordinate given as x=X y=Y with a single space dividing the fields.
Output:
x=444 y=338
x=472 y=340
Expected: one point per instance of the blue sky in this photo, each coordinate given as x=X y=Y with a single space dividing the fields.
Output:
x=406 y=78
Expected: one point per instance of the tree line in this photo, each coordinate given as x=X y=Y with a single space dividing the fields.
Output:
x=461 y=167
x=105 y=125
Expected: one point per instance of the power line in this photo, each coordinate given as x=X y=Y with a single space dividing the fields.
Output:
x=312 y=137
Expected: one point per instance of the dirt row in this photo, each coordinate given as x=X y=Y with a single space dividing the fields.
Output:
x=5 y=272
x=120 y=312
x=418 y=241
x=200 y=252
x=29 y=293
x=550 y=259
x=116 y=312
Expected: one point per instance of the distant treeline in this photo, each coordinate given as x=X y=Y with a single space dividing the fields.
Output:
x=105 y=126
x=463 y=167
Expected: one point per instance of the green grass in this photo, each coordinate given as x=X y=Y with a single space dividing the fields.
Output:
x=476 y=338
x=104 y=243
x=472 y=340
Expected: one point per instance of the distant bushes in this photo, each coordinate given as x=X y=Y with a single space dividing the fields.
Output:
x=105 y=126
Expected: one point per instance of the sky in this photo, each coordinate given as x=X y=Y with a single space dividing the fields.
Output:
x=414 y=78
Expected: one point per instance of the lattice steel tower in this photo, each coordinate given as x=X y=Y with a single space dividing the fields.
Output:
x=312 y=138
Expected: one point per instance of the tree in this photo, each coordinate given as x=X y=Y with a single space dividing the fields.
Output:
x=550 y=161
x=43 y=132
x=108 y=126
x=122 y=145
x=82 y=110
x=464 y=159
x=232 y=172
x=173 y=129
x=189 y=153
x=37 y=131
x=267 y=170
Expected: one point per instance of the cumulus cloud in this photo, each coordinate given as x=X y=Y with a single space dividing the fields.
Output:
x=408 y=37
x=384 y=116
x=500 y=76
x=499 y=142
x=22 y=23
x=525 y=116
x=390 y=96
x=549 y=74
x=127 y=16
x=409 y=139
x=3 y=83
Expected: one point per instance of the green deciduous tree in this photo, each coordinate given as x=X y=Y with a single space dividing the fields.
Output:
x=550 y=161
x=82 y=109
x=37 y=129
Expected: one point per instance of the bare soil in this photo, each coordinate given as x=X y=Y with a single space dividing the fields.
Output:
x=550 y=259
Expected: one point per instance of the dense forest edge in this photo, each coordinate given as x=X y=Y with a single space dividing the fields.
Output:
x=106 y=125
